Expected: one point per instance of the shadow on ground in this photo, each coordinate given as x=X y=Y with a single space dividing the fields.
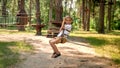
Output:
x=91 y=40
x=70 y=59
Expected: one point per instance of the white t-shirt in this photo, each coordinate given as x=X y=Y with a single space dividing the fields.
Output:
x=66 y=31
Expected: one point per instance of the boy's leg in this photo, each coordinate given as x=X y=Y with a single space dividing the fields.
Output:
x=53 y=42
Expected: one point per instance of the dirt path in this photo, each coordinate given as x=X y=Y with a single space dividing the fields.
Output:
x=74 y=54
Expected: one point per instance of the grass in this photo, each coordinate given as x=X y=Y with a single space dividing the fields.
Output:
x=13 y=30
x=107 y=45
x=10 y=52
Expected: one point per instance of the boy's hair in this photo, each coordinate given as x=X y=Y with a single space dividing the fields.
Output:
x=68 y=17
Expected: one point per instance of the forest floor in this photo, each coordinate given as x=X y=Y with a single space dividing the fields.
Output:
x=75 y=54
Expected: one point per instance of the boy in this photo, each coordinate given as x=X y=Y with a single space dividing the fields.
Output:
x=64 y=30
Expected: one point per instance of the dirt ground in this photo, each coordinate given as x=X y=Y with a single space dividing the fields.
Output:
x=75 y=53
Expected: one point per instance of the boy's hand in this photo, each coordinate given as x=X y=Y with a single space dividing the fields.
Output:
x=64 y=19
x=61 y=29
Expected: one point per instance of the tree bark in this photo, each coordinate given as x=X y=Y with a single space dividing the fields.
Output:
x=22 y=17
x=58 y=10
x=30 y=7
x=109 y=14
x=101 y=17
x=113 y=11
x=50 y=12
x=88 y=16
x=38 y=17
x=4 y=12
x=83 y=15
x=4 y=2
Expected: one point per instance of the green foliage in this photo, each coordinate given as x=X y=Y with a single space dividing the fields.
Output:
x=76 y=24
x=10 y=20
x=116 y=25
x=9 y=52
x=12 y=9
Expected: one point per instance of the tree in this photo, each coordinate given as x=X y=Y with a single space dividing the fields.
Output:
x=4 y=3
x=38 y=16
x=4 y=11
x=101 y=17
x=30 y=7
x=83 y=14
x=86 y=6
x=70 y=8
x=22 y=17
x=88 y=14
x=113 y=13
x=65 y=11
x=109 y=14
x=58 y=10
x=50 y=10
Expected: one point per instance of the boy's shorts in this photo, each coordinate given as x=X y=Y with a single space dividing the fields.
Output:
x=60 y=40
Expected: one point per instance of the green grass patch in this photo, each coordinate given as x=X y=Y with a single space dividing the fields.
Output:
x=6 y=31
x=115 y=32
x=96 y=41
x=107 y=45
x=14 y=30
x=10 y=52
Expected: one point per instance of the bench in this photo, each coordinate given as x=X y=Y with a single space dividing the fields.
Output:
x=52 y=32
x=38 y=28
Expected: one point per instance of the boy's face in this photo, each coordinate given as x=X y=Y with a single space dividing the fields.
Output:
x=68 y=20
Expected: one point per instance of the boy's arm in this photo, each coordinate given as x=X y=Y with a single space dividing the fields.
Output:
x=62 y=26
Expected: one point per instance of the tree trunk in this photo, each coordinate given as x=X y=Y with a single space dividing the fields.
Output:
x=70 y=9
x=13 y=7
x=65 y=12
x=113 y=11
x=109 y=14
x=101 y=17
x=22 y=17
x=30 y=7
x=38 y=17
x=4 y=12
x=88 y=16
x=83 y=14
x=58 y=10
x=50 y=11
x=4 y=2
